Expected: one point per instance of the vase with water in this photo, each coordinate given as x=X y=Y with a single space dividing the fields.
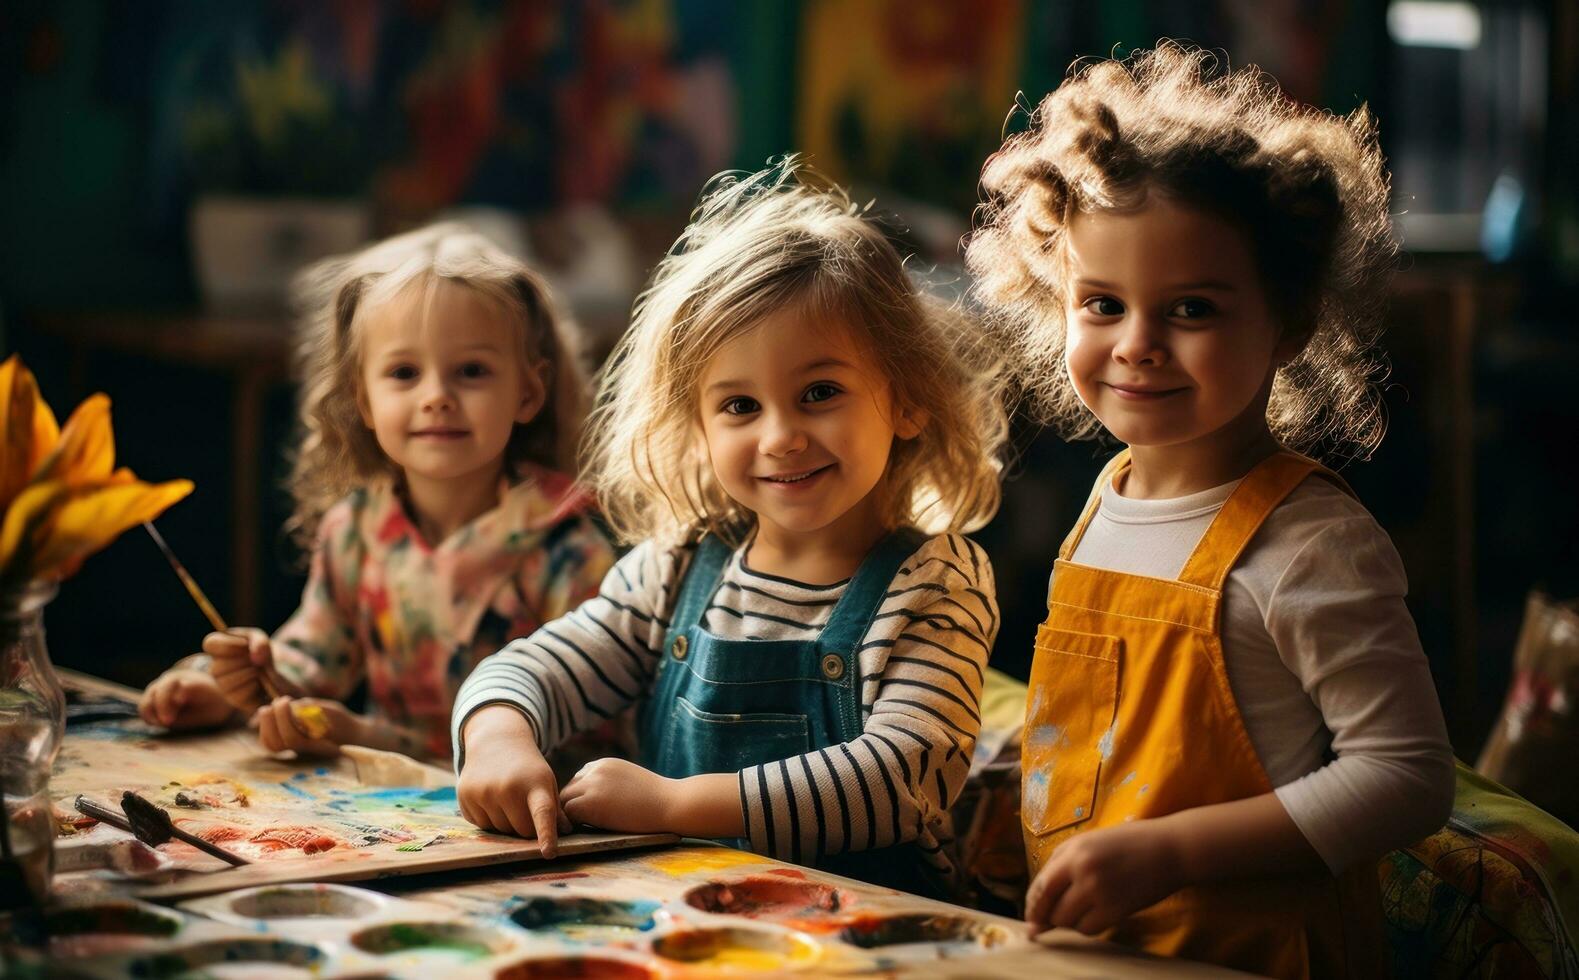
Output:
x=32 y=722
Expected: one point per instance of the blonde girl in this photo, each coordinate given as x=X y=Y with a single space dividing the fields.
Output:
x=795 y=438
x=1230 y=715
x=440 y=401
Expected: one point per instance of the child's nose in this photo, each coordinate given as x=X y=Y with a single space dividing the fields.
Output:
x=781 y=435
x=436 y=395
x=1140 y=342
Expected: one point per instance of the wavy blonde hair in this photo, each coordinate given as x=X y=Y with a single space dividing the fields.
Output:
x=1308 y=189
x=336 y=452
x=757 y=244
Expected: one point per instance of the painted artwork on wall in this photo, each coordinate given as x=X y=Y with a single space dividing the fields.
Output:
x=908 y=94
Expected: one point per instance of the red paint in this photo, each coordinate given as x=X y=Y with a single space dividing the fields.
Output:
x=573 y=968
x=307 y=839
x=789 y=873
x=768 y=896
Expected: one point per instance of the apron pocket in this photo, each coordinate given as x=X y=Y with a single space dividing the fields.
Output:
x=1073 y=699
x=700 y=741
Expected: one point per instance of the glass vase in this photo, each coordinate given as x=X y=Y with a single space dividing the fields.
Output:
x=32 y=723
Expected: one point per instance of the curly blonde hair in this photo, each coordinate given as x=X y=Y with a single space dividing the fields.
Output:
x=336 y=452
x=757 y=244
x=1308 y=189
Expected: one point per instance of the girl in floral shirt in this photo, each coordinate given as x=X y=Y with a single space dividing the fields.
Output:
x=439 y=402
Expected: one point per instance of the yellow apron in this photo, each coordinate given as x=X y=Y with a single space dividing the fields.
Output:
x=1131 y=716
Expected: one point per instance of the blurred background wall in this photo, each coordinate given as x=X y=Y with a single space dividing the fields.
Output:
x=164 y=167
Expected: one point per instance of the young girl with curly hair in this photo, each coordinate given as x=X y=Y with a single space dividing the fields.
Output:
x=1230 y=715
x=797 y=439
x=440 y=403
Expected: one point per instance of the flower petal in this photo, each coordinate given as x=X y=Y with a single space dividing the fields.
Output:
x=86 y=451
x=86 y=518
x=24 y=430
x=24 y=522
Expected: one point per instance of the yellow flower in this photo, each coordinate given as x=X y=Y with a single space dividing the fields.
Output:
x=60 y=495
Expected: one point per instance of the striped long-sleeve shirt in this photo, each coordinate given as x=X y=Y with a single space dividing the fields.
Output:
x=921 y=665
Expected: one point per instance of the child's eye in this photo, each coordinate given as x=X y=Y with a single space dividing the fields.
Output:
x=740 y=405
x=820 y=392
x=1191 y=309
x=402 y=372
x=1104 y=306
x=475 y=369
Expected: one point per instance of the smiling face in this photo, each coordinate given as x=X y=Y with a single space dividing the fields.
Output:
x=1171 y=343
x=799 y=423
x=443 y=383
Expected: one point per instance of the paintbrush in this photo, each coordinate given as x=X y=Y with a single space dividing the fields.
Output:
x=153 y=826
x=192 y=589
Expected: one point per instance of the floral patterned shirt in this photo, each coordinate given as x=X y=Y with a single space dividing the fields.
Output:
x=413 y=619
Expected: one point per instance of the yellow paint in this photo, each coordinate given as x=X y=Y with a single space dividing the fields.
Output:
x=313 y=720
x=741 y=957
x=689 y=860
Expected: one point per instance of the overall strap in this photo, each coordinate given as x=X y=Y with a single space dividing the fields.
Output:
x=1243 y=513
x=863 y=597
x=698 y=586
x=1093 y=501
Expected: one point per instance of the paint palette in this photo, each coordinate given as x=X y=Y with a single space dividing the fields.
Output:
x=297 y=821
x=697 y=911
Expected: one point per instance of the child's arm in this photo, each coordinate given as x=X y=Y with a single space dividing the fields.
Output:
x=572 y=673
x=910 y=763
x=879 y=789
x=1339 y=624
x=1095 y=879
x=316 y=652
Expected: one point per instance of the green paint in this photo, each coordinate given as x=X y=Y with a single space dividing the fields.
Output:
x=402 y=937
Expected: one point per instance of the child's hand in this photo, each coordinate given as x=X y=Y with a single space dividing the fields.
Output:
x=617 y=795
x=1096 y=879
x=241 y=656
x=506 y=784
x=308 y=726
x=183 y=698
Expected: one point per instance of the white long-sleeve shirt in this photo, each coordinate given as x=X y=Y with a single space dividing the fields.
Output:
x=1322 y=655
x=921 y=664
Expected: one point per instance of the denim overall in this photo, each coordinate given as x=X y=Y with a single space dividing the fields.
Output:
x=722 y=705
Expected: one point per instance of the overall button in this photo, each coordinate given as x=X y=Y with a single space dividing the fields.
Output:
x=833 y=666
x=680 y=647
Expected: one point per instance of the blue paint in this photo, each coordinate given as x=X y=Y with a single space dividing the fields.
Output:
x=1105 y=744
x=295 y=790
x=416 y=799
x=1047 y=737
x=1035 y=802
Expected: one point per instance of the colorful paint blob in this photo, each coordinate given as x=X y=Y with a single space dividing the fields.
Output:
x=874 y=932
x=306 y=902
x=736 y=949
x=451 y=940
x=587 y=919
x=271 y=957
x=112 y=927
x=769 y=897
x=575 y=968
x=683 y=861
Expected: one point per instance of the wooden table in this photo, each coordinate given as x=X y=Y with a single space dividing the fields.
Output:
x=688 y=889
